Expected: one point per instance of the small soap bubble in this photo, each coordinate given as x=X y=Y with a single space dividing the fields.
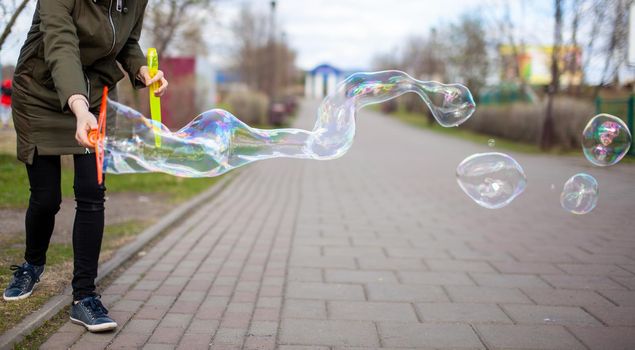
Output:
x=580 y=194
x=552 y=187
x=492 y=179
x=605 y=140
x=491 y=142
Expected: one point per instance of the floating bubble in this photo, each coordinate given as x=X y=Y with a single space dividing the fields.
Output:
x=552 y=187
x=605 y=140
x=491 y=142
x=492 y=180
x=580 y=194
x=216 y=141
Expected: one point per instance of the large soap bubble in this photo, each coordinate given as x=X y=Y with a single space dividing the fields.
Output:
x=492 y=179
x=580 y=194
x=216 y=141
x=605 y=140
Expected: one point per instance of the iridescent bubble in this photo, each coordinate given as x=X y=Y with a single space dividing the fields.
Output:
x=580 y=194
x=491 y=142
x=605 y=140
x=216 y=141
x=492 y=179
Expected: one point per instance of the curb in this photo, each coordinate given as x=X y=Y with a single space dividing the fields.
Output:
x=57 y=303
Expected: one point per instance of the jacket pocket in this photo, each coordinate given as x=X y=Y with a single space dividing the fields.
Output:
x=41 y=72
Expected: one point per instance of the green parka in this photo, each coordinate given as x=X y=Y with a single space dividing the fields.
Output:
x=73 y=47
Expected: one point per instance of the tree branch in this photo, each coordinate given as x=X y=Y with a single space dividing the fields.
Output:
x=9 y=26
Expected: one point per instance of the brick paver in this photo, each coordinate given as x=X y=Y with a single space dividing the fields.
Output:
x=381 y=249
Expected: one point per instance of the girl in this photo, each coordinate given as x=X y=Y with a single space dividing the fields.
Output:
x=71 y=52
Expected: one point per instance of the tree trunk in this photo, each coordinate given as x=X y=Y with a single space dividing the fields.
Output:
x=547 y=136
x=572 y=68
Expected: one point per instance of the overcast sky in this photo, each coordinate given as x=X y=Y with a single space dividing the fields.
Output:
x=349 y=33
x=345 y=33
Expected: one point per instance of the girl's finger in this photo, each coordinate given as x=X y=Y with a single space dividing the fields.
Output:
x=161 y=90
x=155 y=78
x=83 y=138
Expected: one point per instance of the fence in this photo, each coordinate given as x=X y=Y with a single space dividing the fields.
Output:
x=621 y=107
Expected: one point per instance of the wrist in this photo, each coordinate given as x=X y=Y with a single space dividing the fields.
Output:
x=140 y=73
x=78 y=104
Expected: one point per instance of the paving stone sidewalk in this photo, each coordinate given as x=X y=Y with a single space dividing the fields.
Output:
x=381 y=249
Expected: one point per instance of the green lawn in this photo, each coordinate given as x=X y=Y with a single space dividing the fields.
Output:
x=421 y=121
x=14 y=184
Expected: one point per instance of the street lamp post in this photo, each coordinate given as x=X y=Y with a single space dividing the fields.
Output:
x=273 y=52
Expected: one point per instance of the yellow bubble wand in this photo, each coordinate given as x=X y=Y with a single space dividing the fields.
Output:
x=155 y=102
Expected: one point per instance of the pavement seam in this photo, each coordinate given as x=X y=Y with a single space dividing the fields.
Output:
x=478 y=335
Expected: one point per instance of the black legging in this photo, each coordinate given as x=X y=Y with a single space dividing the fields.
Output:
x=46 y=196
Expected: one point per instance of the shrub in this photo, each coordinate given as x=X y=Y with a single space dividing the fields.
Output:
x=249 y=106
x=523 y=121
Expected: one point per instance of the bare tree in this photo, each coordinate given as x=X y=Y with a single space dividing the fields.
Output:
x=386 y=60
x=179 y=22
x=15 y=12
x=547 y=135
x=598 y=12
x=572 y=64
x=257 y=52
x=250 y=30
x=504 y=32
x=615 y=51
x=470 y=58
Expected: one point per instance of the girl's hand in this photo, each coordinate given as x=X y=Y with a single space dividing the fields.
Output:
x=144 y=76
x=85 y=122
x=85 y=119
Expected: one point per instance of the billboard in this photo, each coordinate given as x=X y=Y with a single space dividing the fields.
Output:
x=534 y=64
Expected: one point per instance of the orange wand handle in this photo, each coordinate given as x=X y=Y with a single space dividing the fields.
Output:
x=93 y=137
x=97 y=136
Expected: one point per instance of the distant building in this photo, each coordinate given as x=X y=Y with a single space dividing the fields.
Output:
x=322 y=80
x=534 y=63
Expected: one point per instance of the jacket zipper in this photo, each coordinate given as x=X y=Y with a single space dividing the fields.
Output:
x=112 y=26
x=87 y=88
x=88 y=93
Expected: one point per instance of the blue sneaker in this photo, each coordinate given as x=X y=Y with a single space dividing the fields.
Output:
x=24 y=279
x=91 y=313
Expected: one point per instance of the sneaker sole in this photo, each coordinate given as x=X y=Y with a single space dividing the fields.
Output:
x=23 y=296
x=19 y=297
x=96 y=328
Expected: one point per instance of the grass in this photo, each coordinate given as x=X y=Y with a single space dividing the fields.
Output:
x=14 y=184
x=42 y=333
x=421 y=121
x=58 y=269
x=177 y=188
